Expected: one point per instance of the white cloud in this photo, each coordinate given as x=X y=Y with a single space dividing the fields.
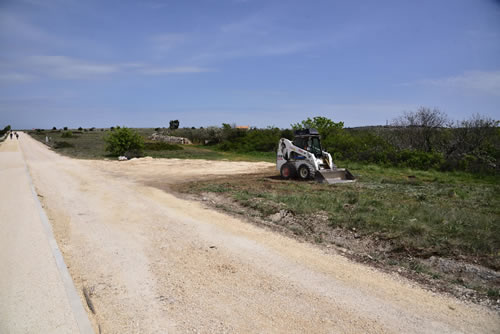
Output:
x=63 y=67
x=69 y=68
x=168 y=39
x=14 y=27
x=469 y=82
x=173 y=70
x=14 y=77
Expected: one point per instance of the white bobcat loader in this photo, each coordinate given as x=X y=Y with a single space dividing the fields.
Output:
x=303 y=157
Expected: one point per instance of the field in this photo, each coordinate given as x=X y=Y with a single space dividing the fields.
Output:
x=440 y=228
x=91 y=145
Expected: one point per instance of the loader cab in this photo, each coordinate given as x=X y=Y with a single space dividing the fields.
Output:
x=308 y=139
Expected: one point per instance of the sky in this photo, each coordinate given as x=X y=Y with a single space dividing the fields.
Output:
x=246 y=62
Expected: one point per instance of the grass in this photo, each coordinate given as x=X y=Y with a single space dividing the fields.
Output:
x=91 y=145
x=423 y=213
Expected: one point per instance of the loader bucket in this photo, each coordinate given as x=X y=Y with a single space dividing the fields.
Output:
x=331 y=176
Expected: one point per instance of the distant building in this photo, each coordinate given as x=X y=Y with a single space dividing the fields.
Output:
x=243 y=127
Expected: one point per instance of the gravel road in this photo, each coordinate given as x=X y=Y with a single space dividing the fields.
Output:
x=154 y=263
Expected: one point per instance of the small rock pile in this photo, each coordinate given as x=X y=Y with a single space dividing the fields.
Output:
x=169 y=139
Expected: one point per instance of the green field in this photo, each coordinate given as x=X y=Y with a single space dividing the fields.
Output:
x=91 y=145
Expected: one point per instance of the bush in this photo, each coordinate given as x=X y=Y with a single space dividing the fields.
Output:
x=5 y=130
x=253 y=140
x=125 y=141
x=67 y=134
x=65 y=128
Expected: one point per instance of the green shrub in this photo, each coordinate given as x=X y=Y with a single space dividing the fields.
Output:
x=125 y=141
x=67 y=134
x=5 y=130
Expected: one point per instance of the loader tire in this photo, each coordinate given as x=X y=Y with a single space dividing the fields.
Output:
x=306 y=172
x=287 y=171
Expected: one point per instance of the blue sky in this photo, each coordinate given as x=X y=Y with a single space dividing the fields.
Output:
x=249 y=62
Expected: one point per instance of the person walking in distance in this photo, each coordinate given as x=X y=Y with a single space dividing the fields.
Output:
x=17 y=135
x=11 y=136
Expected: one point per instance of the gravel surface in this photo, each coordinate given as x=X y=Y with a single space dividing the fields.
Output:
x=154 y=263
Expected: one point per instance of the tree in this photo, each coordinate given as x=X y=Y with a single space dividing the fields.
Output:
x=324 y=125
x=54 y=128
x=328 y=129
x=475 y=144
x=5 y=130
x=473 y=133
x=125 y=141
x=420 y=130
x=174 y=125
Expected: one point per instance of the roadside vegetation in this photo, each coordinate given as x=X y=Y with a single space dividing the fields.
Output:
x=425 y=139
x=92 y=145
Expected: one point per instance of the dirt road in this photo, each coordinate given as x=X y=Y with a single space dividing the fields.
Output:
x=154 y=263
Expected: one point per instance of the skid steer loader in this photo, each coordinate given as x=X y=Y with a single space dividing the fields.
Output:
x=303 y=157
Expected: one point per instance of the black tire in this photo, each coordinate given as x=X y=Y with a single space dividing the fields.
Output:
x=287 y=171
x=306 y=172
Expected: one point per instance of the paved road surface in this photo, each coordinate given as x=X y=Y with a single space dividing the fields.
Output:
x=34 y=296
x=155 y=263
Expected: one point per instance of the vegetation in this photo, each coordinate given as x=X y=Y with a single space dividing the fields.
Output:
x=92 y=145
x=160 y=146
x=422 y=213
x=5 y=130
x=125 y=141
x=174 y=125
x=62 y=144
x=67 y=134
x=425 y=139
